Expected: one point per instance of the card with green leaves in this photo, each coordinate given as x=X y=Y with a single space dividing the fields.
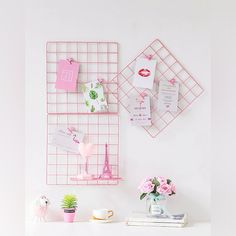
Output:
x=94 y=96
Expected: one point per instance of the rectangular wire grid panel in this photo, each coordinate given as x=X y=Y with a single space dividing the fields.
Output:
x=98 y=60
x=168 y=67
x=99 y=130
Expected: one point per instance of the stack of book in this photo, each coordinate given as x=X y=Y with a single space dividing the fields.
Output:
x=179 y=220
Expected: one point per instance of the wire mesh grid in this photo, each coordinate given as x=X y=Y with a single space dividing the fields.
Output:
x=168 y=67
x=98 y=60
x=100 y=130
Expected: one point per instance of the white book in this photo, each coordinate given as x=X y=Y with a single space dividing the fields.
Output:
x=155 y=224
x=140 y=217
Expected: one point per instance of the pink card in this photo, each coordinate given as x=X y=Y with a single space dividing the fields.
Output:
x=67 y=74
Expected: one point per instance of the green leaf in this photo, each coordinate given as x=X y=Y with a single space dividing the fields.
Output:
x=93 y=94
x=155 y=189
x=92 y=108
x=143 y=195
x=69 y=201
x=87 y=103
x=98 y=85
x=168 y=181
x=83 y=88
x=155 y=181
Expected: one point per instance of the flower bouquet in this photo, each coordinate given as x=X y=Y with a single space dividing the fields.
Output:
x=156 y=189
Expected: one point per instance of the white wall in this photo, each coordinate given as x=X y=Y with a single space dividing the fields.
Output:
x=223 y=117
x=12 y=119
x=181 y=152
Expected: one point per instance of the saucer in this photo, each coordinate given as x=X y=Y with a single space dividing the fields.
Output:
x=100 y=221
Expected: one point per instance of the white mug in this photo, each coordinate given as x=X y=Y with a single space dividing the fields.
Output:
x=102 y=214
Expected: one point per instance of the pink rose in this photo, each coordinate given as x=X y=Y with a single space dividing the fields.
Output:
x=146 y=186
x=161 y=180
x=148 y=179
x=164 y=189
x=173 y=187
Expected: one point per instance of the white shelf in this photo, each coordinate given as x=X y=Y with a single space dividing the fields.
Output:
x=113 y=229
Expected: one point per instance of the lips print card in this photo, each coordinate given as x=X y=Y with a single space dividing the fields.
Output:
x=67 y=74
x=144 y=73
x=168 y=96
x=140 y=114
x=94 y=96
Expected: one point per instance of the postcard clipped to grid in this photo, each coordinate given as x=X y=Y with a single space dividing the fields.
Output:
x=67 y=139
x=168 y=96
x=67 y=74
x=140 y=114
x=144 y=73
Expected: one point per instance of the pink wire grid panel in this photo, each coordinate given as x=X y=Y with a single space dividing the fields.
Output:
x=63 y=166
x=168 y=67
x=98 y=60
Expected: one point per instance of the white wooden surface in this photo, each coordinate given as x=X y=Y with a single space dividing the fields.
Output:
x=116 y=228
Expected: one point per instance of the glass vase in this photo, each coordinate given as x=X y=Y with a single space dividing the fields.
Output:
x=155 y=205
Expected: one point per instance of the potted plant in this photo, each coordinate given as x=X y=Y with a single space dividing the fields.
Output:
x=156 y=190
x=69 y=204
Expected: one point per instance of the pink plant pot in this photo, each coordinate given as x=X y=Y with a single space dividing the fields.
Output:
x=69 y=217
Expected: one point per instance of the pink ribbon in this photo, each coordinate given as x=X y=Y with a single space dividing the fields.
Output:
x=149 y=57
x=70 y=60
x=71 y=129
x=100 y=80
x=172 y=81
x=141 y=97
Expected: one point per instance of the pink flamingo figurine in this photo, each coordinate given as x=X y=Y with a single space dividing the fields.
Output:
x=86 y=151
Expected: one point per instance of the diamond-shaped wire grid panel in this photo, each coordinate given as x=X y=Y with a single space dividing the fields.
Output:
x=168 y=67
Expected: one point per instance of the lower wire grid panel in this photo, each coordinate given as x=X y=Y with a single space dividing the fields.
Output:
x=103 y=131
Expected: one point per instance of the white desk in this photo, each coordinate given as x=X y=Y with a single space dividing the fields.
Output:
x=113 y=229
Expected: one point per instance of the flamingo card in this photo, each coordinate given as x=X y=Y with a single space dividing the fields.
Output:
x=67 y=73
x=144 y=73
x=67 y=139
x=140 y=114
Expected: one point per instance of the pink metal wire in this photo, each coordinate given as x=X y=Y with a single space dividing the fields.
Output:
x=98 y=60
x=168 y=68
